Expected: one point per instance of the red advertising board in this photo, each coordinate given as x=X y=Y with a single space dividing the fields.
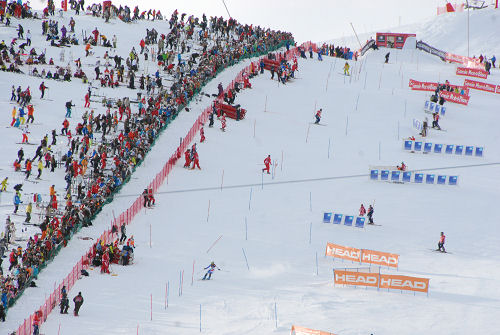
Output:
x=455 y=97
x=478 y=85
x=478 y=73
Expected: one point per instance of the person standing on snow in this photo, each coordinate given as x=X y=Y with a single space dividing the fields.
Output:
x=318 y=116
x=68 y=105
x=223 y=122
x=442 y=239
x=370 y=214
x=78 y=300
x=362 y=210
x=267 y=162
x=187 y=157
x=387 y=57
x=346 y=69
x=202 y=135
x=196 y=161
x=211 y=268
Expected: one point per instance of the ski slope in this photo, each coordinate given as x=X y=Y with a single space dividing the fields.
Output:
x=268 y=220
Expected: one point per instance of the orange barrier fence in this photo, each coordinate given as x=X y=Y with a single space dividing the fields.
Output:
x=378 y=280
x=362 y=255
x=297 y=330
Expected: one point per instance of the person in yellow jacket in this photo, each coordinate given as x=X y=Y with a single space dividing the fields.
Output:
x=29 y=209
x=4 y=184
x=346 y=69
x=40 y=169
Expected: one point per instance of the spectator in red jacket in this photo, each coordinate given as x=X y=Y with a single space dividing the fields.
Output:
x=267 y=162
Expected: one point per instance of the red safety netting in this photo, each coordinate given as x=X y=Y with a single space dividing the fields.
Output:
x=26 y=328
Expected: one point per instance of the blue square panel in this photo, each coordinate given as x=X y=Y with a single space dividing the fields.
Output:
x=327 y=217
x=443 y=111
x=441 y=180
x=395 y=175
x=419 y=178
x=479 y=151
x=360 y=222
x=429 y=178
x=406 y=177
x=452 y=180
x=337 y=218
x=469 y=150
x=408 y=145
x=438 y=148
x=427 y=147
x=384 y=175
x=374 y=174
x=459 y=149
x=418 y=146
x=348 y=220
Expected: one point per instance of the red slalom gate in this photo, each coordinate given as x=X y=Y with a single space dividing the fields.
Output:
x=126 y=217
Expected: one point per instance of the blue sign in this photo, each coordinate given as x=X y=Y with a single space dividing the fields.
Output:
x=360 y=222
x=418 y=146
x=427 y=147
x=419 y=178
x=408 y=145
x=479 y=151
x=438 y=148
x=432 y=106
x=449 y=149
x=384 y=175
x=452 y=180
x=406 y=177
x=459 y=149
x=437 y=108
x=374 y=174
x=441 y=180
x=395 y=175
x=443 y=111
x=469 y=150
x=429 y=179
x=337 y=218
x=427 y=104
x=327 y=217
x=348 y=220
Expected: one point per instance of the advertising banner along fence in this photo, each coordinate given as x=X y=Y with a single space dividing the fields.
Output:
x=395 y=282
x=478 y=73
x=297 y=330
x=478 y=85
x=362 y=255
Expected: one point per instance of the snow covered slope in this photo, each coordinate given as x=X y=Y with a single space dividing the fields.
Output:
x=269 y=222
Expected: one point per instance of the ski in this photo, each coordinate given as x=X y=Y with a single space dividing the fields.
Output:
x=318 y=124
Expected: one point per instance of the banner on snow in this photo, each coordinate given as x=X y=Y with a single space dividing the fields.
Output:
x=297 y=330
x=467 y=61
x=430 y=49
x=362 y=255
x=367 y=46
x=455 y=97
x=431 y=87
x=395 y=282
x=478 y=73
x=478 y=85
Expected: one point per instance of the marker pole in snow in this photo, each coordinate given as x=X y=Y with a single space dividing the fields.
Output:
x=59 y=329
x=262 y=174
x=346 y=124
x=150 y=229
x=276 y=314
x=246 y=259
x=254 y=122
x=250 y=199
x=281 y=160
x=310 y=202
x=222 y=180
x=192 y=276
x=380 y=79
x=265 y=105
x=405 y=109
x=317 y=272
x=151 y=306
x=208 y=212
x=307 y=135
x=310 y=231
x=200 y=318
x=329 y=140
x=357 y=101
x=166 y=295
x=246 y=229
